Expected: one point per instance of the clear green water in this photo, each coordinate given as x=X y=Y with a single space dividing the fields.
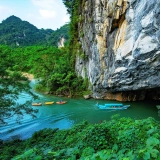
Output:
x=73 y=112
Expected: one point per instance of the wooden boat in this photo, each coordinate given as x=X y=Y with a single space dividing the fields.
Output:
x=63 y=102
x=47 y=103
x=36 y=104
x=113 y=106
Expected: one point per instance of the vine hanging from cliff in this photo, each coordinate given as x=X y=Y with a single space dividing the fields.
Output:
x=74 y=9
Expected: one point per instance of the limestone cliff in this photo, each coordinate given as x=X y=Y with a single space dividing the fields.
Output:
x=121 y=44
x=61 y=42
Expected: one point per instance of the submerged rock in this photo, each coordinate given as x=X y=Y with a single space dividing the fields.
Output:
x=87 y=96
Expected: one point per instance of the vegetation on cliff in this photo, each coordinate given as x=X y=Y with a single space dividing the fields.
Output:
x=56 y=36
x=119 y=138
x=74 y=9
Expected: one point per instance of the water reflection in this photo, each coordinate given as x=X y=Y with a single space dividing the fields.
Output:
x=74 y=111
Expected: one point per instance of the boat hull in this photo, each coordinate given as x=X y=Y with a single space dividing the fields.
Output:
x=36 y=104
x=48 y=103
x=63 y=102
x=114 y=107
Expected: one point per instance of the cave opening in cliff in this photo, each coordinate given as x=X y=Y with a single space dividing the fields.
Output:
x=116 y=23
x=152 y=94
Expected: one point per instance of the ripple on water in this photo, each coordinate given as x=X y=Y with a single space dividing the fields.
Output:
x=74 y=111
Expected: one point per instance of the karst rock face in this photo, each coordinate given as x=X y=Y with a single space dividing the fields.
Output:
x=121 y=45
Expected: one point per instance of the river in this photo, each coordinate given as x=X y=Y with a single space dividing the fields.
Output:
x=74 y=111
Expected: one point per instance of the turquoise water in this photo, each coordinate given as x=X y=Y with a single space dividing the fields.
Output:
x=74 y=111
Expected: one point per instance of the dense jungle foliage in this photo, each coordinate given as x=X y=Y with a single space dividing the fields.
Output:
x=12 y=84
x=118 y=139
x=15 y=32
x=56 y=35
x=51 y=65
x=24 y=48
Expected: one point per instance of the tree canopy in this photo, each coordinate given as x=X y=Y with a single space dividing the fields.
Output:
x=54 y=68
x=35 y=51
x=119 y=138
x=12 y=83
x=15 y=32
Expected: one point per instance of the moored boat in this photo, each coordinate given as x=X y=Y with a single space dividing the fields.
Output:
x=61 y=102
x=36 y=104
x=47 y=103
x=113 y=106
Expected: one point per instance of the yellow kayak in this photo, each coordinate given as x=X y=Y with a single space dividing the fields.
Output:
x=48 y=103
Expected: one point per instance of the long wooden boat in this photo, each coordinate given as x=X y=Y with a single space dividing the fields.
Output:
x=36 y=104
x=113 y=106
x=47 y=103
x=63 y=102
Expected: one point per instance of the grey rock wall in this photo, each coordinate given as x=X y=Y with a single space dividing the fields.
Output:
x=121 y=45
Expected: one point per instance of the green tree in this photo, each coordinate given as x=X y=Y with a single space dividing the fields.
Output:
x=53 y=67
x=12 y=84
x=15 y=32
x=56 y=36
